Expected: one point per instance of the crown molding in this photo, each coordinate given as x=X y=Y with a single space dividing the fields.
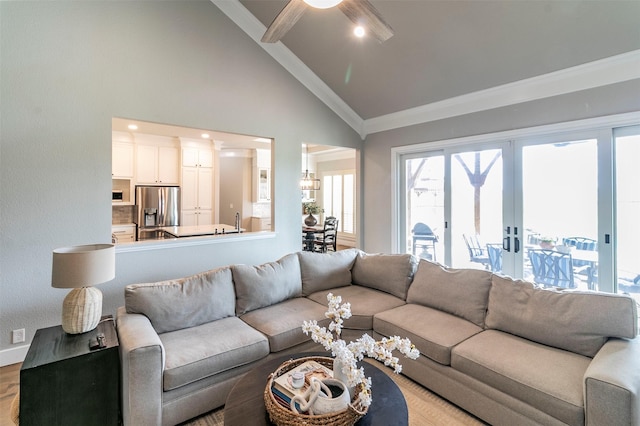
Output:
x=255 y=29
x=615 y=69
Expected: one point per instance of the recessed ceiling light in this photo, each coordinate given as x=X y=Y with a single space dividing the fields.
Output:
x=358 y=31
x=205 y=136
x=262 y=140
x=132 y=127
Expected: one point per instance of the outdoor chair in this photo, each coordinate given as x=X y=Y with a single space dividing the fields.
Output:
x=552 y=268
x=494 y=251
x=584 y=267
x=422 y=236
x=477 y=251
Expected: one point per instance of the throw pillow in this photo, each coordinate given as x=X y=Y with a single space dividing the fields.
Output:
x=324 y=271
x=267 y=284
x=187 y=302
x=391 y=273
x=461 y=292
x=579 y=322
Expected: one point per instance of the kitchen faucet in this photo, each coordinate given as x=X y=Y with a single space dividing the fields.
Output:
x=238 y=221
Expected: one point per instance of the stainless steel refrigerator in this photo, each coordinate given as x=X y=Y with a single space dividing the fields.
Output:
x=156 y=206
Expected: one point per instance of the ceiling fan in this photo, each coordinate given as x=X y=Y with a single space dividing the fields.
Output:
x=361 y=12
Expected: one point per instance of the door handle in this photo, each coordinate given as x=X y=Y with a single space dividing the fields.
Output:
x=506 y=243
x=516 y=244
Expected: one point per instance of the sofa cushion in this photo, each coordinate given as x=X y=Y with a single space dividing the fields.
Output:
x=580 y=322
x=183 y=303
x=546 y=378
x=323 y=271
x=206 y=350
x=461 y=292
x=282 y=323
x=391 y=273
x=267 y=284
x=433 y=332
x=365 y=303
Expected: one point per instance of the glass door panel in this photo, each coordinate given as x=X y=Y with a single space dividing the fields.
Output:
x=476 y=207
x=424 y=198
x=560 y=213
x=627 y=159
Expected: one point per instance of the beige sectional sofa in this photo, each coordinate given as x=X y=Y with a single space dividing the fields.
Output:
x=502 y=349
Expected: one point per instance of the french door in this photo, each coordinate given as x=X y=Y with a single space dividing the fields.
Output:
x=627 y=203
x=453 y=200
x=567 y=198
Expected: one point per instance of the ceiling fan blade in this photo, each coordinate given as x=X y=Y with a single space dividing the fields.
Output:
x=286 y=19
x=363 y=13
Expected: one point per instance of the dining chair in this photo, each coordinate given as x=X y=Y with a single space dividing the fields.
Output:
x=477 y=252
x=494 y=251
x=552 y=268
x=327 y=239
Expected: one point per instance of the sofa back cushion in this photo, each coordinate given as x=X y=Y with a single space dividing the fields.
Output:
x=391 y=273
x=267 y=284
x=579 y=322
x=461 y=292
x=324 y=271
x=187 y=302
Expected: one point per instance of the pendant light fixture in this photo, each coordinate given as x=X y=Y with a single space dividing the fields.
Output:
x=307 y=182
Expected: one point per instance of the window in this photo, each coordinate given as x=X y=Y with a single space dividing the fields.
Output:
x=338 y=189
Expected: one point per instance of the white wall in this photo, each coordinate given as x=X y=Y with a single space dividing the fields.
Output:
x=67 y=68
x=376 y=181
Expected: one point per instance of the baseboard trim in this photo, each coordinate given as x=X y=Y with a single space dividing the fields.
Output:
x=13 y=355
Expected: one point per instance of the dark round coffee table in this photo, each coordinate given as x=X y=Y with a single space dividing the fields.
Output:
x=245 y=402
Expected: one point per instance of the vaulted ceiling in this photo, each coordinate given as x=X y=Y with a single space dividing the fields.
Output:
x=451 y=57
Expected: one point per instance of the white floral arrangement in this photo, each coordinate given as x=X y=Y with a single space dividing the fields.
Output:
x=349 y=354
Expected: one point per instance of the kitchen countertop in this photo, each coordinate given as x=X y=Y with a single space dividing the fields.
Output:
x=199 y=230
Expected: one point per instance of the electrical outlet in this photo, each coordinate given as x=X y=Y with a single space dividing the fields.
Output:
x=17 y=336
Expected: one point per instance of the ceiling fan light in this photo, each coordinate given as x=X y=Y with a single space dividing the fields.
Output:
x=322 y=4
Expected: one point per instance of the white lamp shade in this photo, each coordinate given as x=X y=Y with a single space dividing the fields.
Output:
x=83 y=266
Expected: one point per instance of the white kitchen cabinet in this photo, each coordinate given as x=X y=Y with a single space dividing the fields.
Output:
x=260 y=224
x=196 y=217
x=262 y=176
x=197 y=157
x=157 y=165
x=123 y=233
x=121 y=160
x=197 y=188
x=197 y=195
x=262 y=185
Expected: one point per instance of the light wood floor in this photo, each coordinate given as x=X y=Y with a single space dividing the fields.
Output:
x=9 y=385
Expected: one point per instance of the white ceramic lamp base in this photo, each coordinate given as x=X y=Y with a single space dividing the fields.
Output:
x=81 y=310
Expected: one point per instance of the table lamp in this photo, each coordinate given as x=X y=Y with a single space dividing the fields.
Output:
x=80 y=268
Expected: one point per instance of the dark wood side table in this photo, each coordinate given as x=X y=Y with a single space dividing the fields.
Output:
x=245 y=402
x=65 y=382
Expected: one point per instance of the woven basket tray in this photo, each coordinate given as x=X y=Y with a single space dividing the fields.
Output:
x=282 y=416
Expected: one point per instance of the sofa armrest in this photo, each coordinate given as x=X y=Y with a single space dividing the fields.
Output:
x=612 y=384
x=142 y=365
